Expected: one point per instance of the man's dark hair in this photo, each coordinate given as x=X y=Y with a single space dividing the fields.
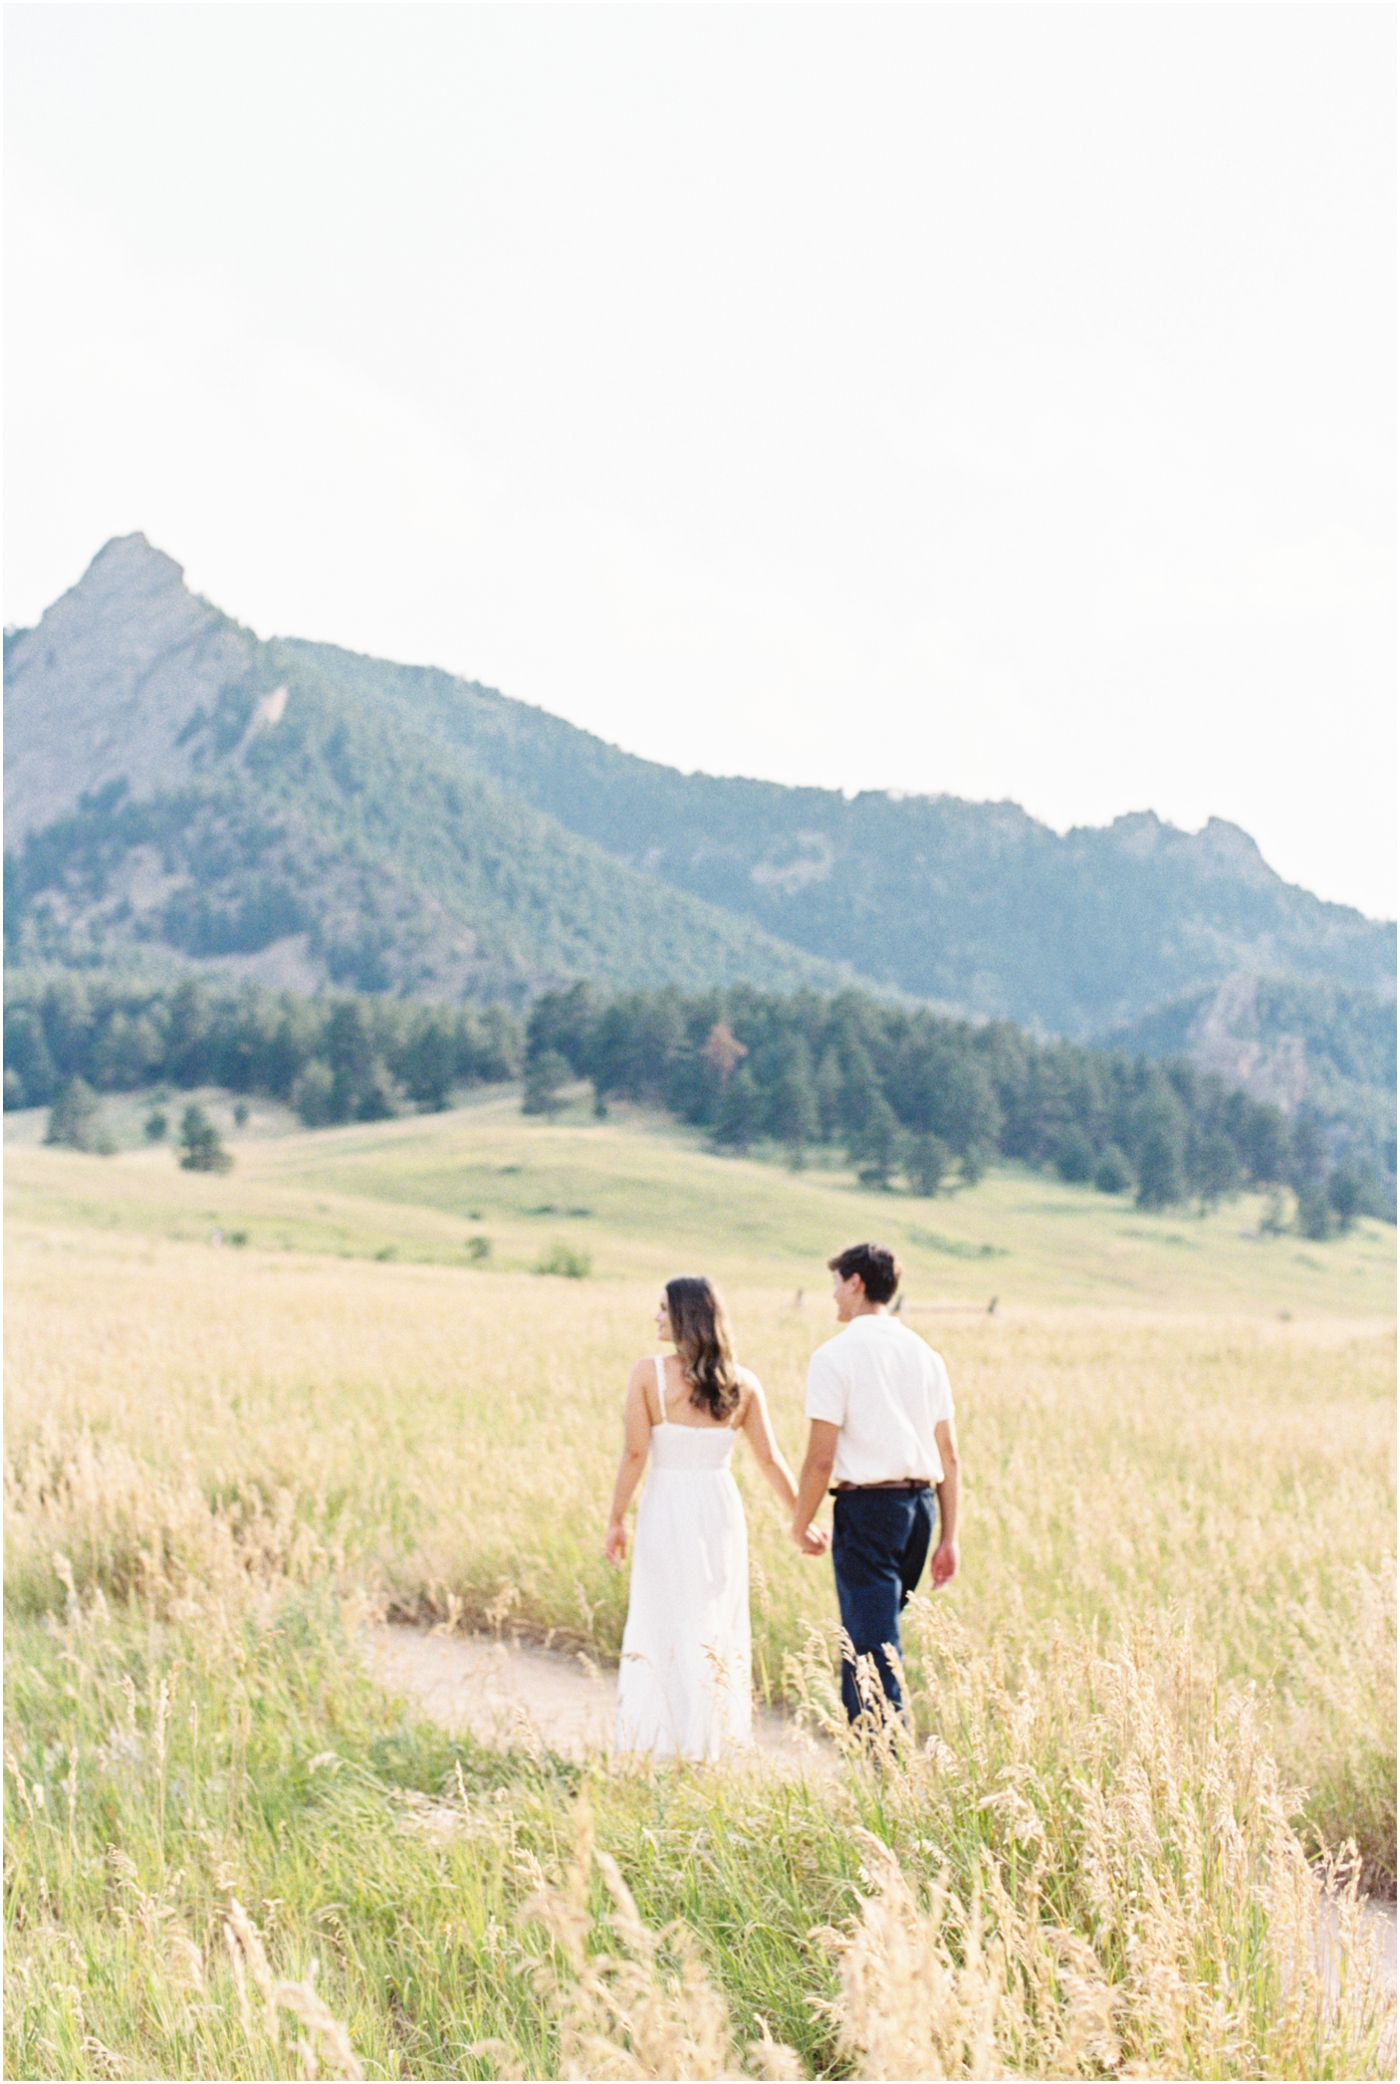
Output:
x=877 y=1266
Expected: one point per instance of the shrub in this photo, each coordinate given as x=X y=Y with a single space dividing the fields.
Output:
x=478 y=1250
x=563 y=1259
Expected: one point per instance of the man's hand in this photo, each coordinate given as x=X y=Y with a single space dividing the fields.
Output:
x=811 y=1540
x=944 y=1567
x=615 y=1542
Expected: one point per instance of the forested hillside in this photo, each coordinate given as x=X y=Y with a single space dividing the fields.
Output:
x=1316 y=1047
x=914 y=1101
x=175 y=787
x=909 y=1095
x=178 y=790
x=974 y=905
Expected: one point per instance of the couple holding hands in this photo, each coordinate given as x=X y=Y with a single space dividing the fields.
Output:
x=881 y=1439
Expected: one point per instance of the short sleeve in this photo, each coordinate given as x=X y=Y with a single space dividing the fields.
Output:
x=941 y=1389
x=826 y=1388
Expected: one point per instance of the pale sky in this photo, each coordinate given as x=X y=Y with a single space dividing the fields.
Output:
x=975 y=398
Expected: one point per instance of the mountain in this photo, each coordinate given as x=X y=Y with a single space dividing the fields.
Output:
x=974 y=905
x=1319 y=1049
x=175 y=785
x=177 y=789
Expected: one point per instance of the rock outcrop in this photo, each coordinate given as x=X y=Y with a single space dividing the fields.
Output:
x=100 y=696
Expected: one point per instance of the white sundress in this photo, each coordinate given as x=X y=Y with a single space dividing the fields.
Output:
x=685 y=1689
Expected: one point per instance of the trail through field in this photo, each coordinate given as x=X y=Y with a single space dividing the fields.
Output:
x=504 y=1693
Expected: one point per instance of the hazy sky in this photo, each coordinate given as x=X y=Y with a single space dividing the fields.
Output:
x=978 y=398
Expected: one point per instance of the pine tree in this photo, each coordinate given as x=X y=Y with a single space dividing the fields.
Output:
x=927 y=1164
x=739 y=1121
x=544 y=1075
x=1161 y=1180
x=75 y=1120
x=1215 y=1169
x=877 y=1146
x=200 y=1143
x=829 y=1085
x=792 y=1101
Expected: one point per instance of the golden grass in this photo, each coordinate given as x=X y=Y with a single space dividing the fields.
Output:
x=1162 y=1685
x=446 y=1441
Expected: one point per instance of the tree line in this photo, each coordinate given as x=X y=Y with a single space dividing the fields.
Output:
x=911 y=1096
x=334 y=1058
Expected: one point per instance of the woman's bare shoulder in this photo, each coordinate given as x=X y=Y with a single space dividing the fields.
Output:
x=750 y=1394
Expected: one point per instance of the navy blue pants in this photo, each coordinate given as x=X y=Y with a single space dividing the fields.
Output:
x=879 y=1545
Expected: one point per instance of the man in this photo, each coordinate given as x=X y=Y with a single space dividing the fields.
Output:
x=881 y=1414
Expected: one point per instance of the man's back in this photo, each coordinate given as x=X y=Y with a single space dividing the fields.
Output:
x=887 y=1390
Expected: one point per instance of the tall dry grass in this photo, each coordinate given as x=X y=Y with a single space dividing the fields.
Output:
x=1145 y=1723
x=183 y=1421
x=227 y=1855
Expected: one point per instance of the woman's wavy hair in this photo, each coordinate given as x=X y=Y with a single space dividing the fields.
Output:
x=701 y=1332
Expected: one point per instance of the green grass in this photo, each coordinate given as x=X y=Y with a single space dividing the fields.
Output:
x=160 y=1775
x=658 y=1201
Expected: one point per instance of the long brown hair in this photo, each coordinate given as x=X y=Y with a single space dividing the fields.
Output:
x=701 y=1332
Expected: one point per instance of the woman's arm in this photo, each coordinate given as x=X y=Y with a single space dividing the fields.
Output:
x=636 y=1446
x=757 y=1428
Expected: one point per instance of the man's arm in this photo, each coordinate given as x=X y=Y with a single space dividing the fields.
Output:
x=816 y=1475
x=944 y=1567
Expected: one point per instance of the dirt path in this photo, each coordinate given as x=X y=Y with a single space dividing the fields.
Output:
x=502 y=1692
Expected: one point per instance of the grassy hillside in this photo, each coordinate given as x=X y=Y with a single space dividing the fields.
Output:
x=975 y=905
x=645 y=1199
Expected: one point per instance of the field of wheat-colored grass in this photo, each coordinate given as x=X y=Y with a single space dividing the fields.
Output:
x=1159 y=1695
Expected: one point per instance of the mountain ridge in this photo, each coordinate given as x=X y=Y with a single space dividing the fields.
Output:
x=278 y=816
x=993 y=872
x=288 y=807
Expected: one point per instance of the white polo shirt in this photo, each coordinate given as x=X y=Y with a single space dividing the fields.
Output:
x=887 y=1390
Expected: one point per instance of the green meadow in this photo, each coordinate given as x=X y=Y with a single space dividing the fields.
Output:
x=645 y=1199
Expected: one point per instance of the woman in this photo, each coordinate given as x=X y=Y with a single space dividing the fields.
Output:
x=684 y=1687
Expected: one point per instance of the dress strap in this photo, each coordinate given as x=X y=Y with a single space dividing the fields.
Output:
x=660 y=1366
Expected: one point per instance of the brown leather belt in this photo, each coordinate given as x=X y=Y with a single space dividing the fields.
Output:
x=893 y=1483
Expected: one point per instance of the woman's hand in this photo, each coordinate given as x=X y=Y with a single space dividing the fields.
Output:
x=615 y=1542
x=813 y=1541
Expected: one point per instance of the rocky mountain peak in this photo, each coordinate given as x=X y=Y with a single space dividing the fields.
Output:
x=129 y=563
x=102 y=689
